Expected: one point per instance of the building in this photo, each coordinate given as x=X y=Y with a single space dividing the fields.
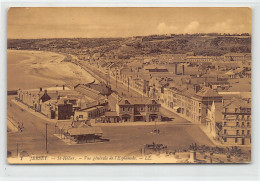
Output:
x=234 y=57
x=92 y=110
x=237 y=73
x=63 y=109
x=53 y=102
x=89 y=92
x=155 y=68
x=203 y=99
x=138 y=109
x=214 y=119
x=78 y=132
x=200 y=58
x=236 y=122
x=188 y=102
x=90 y=113
x=110 y=117
x=92 y=88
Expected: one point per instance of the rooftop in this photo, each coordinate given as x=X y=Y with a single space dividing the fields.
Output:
x=207 y=92
x=236 y=102
x=85 y=131
x=137 y=100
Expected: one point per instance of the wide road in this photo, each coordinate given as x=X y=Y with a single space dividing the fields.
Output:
x=32 y=138
x=123 y=139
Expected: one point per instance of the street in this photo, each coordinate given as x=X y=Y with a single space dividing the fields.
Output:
x=122 y=139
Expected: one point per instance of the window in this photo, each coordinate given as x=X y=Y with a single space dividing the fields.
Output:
x=80 y=116
x=248 y=124
x=225 y=123
x=235 y=140
x=237 y=132
x=243 y=123
x=225 y=131
x=243 y=131
x=237 y=124
x=248 y=132
x=225 y=139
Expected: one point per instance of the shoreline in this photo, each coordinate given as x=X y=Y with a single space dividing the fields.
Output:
x=28 y=69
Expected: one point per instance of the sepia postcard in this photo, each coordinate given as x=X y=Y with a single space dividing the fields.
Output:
x=128 y=85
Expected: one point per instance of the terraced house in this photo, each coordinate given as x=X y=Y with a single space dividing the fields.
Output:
x=188 y=103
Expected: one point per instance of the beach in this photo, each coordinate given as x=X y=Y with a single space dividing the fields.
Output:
x=34 y=69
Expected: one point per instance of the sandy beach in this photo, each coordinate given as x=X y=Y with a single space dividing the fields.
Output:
x=33 y=69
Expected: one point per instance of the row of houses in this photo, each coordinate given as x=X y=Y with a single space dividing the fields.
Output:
x=54 y=102
x=188 y=103
x=188 y=57
x=189 y=95
x=62 y=103
x=227 y=57
x=68 y=106
x=131 y=109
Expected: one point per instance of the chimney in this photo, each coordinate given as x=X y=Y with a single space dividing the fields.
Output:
x=40 y=89
x=182 y=69
x=63 y=87
x=196 y=88
x=176 y=68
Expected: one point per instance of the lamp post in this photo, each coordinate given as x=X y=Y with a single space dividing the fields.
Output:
x=46 y=139
x=116 y=78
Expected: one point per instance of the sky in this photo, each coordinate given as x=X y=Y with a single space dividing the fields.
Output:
x=123 y=22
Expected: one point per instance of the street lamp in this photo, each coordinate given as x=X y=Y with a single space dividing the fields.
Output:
x=116 y=77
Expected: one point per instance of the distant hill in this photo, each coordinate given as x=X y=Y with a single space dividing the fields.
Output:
x=200 y=44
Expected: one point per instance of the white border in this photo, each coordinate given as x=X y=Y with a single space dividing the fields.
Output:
x=134 y=172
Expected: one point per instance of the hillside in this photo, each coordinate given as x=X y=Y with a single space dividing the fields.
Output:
x=129 y=47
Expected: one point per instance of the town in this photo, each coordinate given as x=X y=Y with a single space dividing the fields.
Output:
x=204 y=79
